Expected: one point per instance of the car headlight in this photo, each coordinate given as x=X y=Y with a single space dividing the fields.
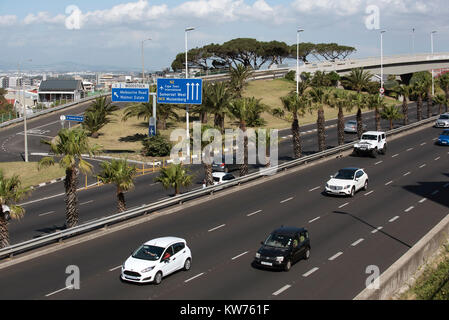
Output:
x=348 y=186
x=257 y=255
x=147 y=269
x=279 y=259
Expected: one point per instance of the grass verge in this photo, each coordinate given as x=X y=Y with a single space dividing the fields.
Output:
x=28 y=173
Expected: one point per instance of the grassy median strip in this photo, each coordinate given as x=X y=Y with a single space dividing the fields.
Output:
x=28 y=173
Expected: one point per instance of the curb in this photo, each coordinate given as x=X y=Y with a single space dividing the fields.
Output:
x=43 y=184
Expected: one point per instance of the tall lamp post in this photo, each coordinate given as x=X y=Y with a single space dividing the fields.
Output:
x=431 y=48
x=382 y=59
x=413 y=41
x=22 y=96
x=143 y=64
x=297 y=60
x=187 y=106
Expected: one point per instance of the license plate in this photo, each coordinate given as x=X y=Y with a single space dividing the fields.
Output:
x=266 y=263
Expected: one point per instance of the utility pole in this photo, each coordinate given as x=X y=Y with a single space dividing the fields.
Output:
x=187 y=106
x=297 y=60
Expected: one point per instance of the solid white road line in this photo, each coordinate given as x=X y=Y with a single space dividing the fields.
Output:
x=251 y=214
x=283 y=201
x=406 y=174
x=377 y=229
x=236 y=257
x=308 y=273
x=213 y=229
x=316 y=188
x=281 y=289
x=335 y=256
x=87 y=202
x=409 y=209
x=368 y=193
x=198 y=275
x=314 y=219
x=389 y=182
x=393 y=219
x=357 y=242
x=55 y=292
x=46 y=213
x=115 y=268
x=422 y=200
x=43 y=199
x=343 y=205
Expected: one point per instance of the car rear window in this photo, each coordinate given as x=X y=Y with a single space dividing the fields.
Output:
x=369 y=137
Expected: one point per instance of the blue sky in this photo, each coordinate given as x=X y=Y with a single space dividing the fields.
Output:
x=111 y=30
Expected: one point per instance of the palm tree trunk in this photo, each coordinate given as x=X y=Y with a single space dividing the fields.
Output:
x=419 y=108
x=217 y=120
x=359 y=123
x=391 y=124
x=405 y=111
x=94 y=135
x=341 y=127
x=297 y=148
x=71 y=199
x=203 y=117
x=377 y=118
x=321 y=130
x=244 y=166
x=4 y=234
x=429 y=104
x=121 y=203
x=440 y=111
x=222 y=124
x=208 y=174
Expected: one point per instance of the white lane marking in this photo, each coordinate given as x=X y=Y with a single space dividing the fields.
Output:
x=389 y=182
x=43 y=199
x=406 y=174
x=446 y=185
x=409 y=149
x=335 y=256
x=393 y=219
x=46 y=213
x=423 y=143
x=379 y=162
x=198 y=275
x=343 y=205
x=213 y=229
x=253 y=213
x=283 y=201
x=377 y=229
x=55 y=292
x=281 y=290
x=357 y=242
x=394 y=156
x=153 y=184
x=409 y=209
x=437 y=158
x=422 y=200
x=87 y=202
x=368 y=193
x=435 y=192
x=314 y=219
x=316 y=188
x=422 y=166
x=236 y=257
x=114 y=268
x=308 y=273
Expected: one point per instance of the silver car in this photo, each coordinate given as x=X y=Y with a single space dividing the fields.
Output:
x=443 y=121
x=351 y=126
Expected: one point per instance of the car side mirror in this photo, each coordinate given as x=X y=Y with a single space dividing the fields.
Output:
x=332 y=177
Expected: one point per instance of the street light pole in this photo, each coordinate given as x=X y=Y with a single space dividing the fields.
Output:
x=22 y=96
x=382 y=59
x=431 y=45
x=297 y=60
x=187 y=106
x=413 y=41
x=143 y=65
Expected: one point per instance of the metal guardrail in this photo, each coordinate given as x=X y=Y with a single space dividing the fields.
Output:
x=67 y=105
x=158 y=205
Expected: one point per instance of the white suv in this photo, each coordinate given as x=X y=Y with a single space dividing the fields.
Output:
x=372 y=142
x=442 y=121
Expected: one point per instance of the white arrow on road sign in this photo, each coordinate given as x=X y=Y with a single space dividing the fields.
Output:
x=115 y=94
x=188 y=87
x=197 y=85
x=193 y=87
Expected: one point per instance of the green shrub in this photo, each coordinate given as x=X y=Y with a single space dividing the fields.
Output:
x=290 y=75
x=156 y=146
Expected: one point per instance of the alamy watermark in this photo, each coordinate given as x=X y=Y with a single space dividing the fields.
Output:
x=73 y=281
x=373 y=281
x=73 y=21
x=372 y=20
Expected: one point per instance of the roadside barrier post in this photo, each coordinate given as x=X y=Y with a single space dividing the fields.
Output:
x=143 y=168
x=86 y=180
x=153 y=165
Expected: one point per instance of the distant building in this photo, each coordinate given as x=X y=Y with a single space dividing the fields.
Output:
x=55 y=90
x=88 y=86
x=4 y=82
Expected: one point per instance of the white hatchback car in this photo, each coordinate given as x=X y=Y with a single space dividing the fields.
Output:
x=347 y=182
x=156 y=259
x=220 y=177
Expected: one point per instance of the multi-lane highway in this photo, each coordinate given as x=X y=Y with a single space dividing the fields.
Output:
x=407 y=196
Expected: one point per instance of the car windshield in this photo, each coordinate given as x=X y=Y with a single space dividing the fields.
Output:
x=345 y=174
x=147 y=252
x=216 y=179
x=445 y=133
x=278 y=241
x=369 y=137
x=444 y=116
x=351 y=122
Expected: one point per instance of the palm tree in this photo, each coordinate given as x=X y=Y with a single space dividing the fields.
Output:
x=216 y=99
x=121 y=174
x=419 y=89
x=264 y=142
x=319 y=97
x=97 y=116
x=174 y=176
x=358 y=101
x=145 y=110
x=340 y=100
x=203 y=109
x=377 y=103
x=422 y=82
x=441 y=100
x=100 y=104
x=207 y=159
x=406 y=92
x=391 y=113
x=239 y=75
x=358 y=80
x=70 y=145
x=296 y=105
x=443 y=82
x=11 y=192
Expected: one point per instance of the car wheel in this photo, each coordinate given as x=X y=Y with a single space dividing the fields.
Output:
x=158 y=278
x=365 y=187
x=226 y=170
x=307 y=254
x=288 y=265
x=352 y=191
x=187 y=264
x=384 y=150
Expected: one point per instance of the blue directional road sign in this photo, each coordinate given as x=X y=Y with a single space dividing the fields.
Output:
x=152 y=127
x=179 y=91
x=74 y=118
x=130 y=92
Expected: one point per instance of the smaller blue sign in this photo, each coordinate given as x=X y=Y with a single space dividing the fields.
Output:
x=75 y=118
x=130 y=95
x=152 y=131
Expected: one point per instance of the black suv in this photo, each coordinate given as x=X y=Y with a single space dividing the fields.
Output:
x=283 y=247
x=225 y=167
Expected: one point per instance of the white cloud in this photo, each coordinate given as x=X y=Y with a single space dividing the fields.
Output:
x=44 y=17
x=8 y=20
x=340 y=7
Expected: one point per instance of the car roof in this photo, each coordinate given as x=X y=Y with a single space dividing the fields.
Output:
x=351 y=169
x=374 y=132
x=164 y=241
x=288 y=231
x=352 y=121
x=219 y=174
